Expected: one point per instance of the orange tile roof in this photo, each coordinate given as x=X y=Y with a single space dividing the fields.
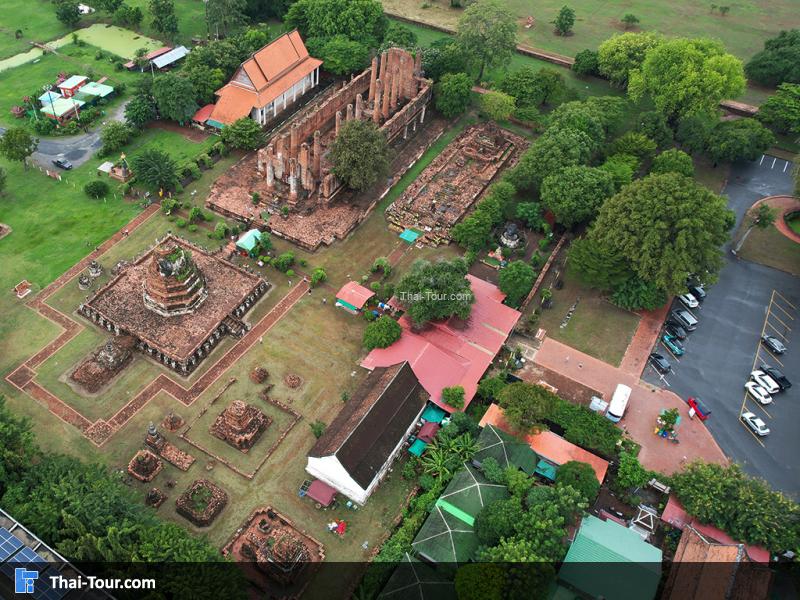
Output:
x=264 y=76
x=202 y=115
x=549 y=445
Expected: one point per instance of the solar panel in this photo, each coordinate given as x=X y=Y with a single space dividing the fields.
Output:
x=25 y=557
x=9 y=543
x=43 y=589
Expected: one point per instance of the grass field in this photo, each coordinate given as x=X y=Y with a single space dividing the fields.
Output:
x=770 y=247
x=743 y=29
x=122 y=42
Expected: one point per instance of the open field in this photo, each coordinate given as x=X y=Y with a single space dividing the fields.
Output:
x=35 y=18
x=122 y=42
x=770 y=247
x=743 y=29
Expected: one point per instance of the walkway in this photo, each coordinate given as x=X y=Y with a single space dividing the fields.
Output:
x=646 y=403
x=643 y=340
x=784 y=206
x=101 y=430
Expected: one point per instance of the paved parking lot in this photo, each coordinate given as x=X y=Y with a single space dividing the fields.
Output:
x=747 y=300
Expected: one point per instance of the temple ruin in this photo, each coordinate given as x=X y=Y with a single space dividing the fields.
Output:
x=176 y=301
x=202 y=502
x=447 y=189
x=144 y=466
x=293 y=169
x=240 y=425
x=104 y=364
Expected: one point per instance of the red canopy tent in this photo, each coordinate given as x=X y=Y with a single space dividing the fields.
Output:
x=428 y=431
x=321 y=492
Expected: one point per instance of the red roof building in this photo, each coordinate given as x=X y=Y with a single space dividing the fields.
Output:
x=202 y=115
x=353 y=297
x=549 y=446
x=674 y=514
x=267 y=82
x=453 y=352
x=131 y=64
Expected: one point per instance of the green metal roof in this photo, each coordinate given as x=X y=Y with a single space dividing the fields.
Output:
x=96 y=89
x=631 y=567
x=546 y=469
x=62 y=106
x=249 y=241
x=418 y=447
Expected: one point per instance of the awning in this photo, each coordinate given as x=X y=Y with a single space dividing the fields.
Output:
x=546 y=470
x=409 y=235
x=428 y=431
x=321 y=492
x=202 y=115
x=418 y=447
x=433 y=414
x=249 y=241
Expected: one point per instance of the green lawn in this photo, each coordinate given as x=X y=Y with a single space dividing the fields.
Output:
x=28 y=79
x=119 y=41
x=597 y=327
x=36 y=19
x=743 y=30
x=770 y=247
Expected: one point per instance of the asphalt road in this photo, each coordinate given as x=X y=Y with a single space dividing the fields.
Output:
x=720 y=354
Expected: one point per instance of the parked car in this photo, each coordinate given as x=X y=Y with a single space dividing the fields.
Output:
x=758 y=393
x=660 y=363
x=673 y=343
x=773 y=344
x=700 y=409
x=675 y=329
x=686 y=319
x=697 y=291
x=765 y=381
x=688 y=300
x=777 y=376
x=753 y=422
x=62 y=163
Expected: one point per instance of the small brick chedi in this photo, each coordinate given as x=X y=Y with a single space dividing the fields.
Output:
x=240 y=425
x=176 y=301
x=202 y=502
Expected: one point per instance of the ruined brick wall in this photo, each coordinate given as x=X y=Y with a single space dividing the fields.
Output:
x=323 y=118
x=416 y=107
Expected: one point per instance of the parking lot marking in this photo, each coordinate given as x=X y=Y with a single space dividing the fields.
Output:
x=763 y=156
x=786 y=313
x=774 y=292
x=785 y=166
x=672 y=354
x=774 y=160
x=783 y=335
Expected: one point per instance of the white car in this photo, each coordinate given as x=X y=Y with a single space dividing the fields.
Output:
x=766 y=382
x=758 y=393
x=753 y=422
x=688 y=300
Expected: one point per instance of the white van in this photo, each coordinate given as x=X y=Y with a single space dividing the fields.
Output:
x=619 y=402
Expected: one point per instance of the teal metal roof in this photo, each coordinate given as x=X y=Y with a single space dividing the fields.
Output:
x=97 y=89
x=62 y=106
x=418 y=447
x=631 y=567
x=433 y=413
x=249 y=241
x=409 y=235
x=546 y=469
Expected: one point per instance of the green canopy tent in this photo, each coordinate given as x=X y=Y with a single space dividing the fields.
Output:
x=249 y=241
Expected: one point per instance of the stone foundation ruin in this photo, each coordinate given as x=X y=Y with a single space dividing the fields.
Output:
x=155 y=497
x=202 y=502
x=447 y=189
x=104 y=364
x=240 y=425
x=270 y=544
x=176 y=301
x=144 y=466
x=293 y=169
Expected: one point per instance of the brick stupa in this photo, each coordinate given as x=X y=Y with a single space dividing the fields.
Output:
x=240 y=425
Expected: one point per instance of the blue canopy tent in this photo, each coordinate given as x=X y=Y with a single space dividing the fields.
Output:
x=409 y=236
x=249 y=241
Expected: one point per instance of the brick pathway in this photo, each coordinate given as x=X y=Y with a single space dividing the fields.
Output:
x=101 y=430
x=646 y=402
x=643 y=340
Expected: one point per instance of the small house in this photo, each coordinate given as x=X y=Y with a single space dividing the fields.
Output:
x=70 y=86
x=62 y=109
x=131 y=64
x=201 y=116
x=353 y=297
x=168 y=59
x=93 y=91
x=49 y=97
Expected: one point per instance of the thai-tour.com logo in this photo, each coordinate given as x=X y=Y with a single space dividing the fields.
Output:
x=25 y=582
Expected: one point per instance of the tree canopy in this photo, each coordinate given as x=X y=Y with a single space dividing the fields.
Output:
x=673 y=161
x=534 y=88
x=164 y=19
x=487 y=31
x=742 y=139
x=67 y=12
x=453 y=94
x=665 y=227
x=778 y=62
x=340 y=54
x=223 y=16
x=516 y=280
x=575 y=194
x=781 y=111
x=498 y=106
x=359 y=154
x=526 y=405
x=439 y=290
x=381 y=333
x=18 y=144
x=564 y=21
x=621 y=54
x=580 y=476
x=687 y=76
x=362 y=21
x=140 y=110
x=243 y=133
x=175 y=97
x=155 y=168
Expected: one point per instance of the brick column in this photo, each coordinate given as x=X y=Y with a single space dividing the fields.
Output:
x=293 y=141
x=338 y=122
x=359 y=106
x=376 y=110
x=317 y=157
x=373 y=78
x=349 y=113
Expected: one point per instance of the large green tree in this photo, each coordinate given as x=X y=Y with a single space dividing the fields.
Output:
x=781 y=111
x=778 y=62
x=223 y=16
x=381 y=333
x=453 y=94
x=164 y=19
x=580 y=476
x=342 y=55
x=516 y=280
x=17 y=447
x=360 y=20
x=244 y=134
x=687 y=76
x=598 y=269
x=497 y=106
x=114 y=136
x=474 y=232
x=525 y=405
x=673 y=161
x=530 y=87
x=175 y=97
x=67 y=12
x=155 y=168
x=359 y=154
x=621 y=54
x=18 y=144
x=140 y=110
x=564 y=21
x=431 y=291
x=575 y=194
x=487 y=32
x=556 y=149
x=742 y=506
x=742 y=139
x=665 y=227
x=498 y=519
